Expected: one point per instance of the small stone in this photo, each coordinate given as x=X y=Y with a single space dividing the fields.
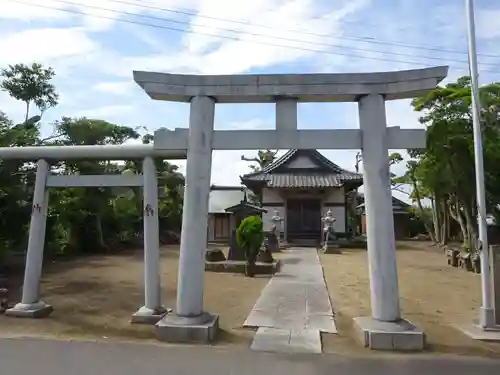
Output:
x=265 y=256
x=215 y=255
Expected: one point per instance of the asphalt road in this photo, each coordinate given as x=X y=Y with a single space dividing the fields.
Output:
x=33 y=356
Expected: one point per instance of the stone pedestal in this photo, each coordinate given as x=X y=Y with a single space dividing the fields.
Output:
x=488 y=326
x=235 y=253
x=199 y=329
x=273 y=244
x=30 y=310
x=331 y=248
x=378 y=335
x=148 y=316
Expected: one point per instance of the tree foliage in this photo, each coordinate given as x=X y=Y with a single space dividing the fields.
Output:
x=444 y=173
x=30 y=84
x=80 y=220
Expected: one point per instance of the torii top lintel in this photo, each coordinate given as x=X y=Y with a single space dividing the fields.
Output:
x=266 y=88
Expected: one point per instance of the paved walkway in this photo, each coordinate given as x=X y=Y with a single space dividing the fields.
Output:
x=294 y=307
x=40 y=357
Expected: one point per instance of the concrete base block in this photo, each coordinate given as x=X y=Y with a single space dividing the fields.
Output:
x=236 y=266
x=179 y=329
x=30 y=310
x=477 y=332
x=148 y=316
x=331 y=249
x=487 y=318
x=378 y=335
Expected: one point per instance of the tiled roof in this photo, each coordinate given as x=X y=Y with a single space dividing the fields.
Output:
x=334 y=177
x=281 y=180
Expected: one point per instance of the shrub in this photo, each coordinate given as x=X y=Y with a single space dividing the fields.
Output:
x=249 y=237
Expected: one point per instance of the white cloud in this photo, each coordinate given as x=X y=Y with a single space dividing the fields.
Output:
x=487 y=25
x=123 y=88
x=106 y=112
x=208 y=55
x=14 y=109
x=45 y=45
x=24 y=12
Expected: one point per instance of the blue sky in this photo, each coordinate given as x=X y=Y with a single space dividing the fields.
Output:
x=94 y=56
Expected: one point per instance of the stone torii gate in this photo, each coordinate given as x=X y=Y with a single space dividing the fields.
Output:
x=385 y=329
x=31 y=305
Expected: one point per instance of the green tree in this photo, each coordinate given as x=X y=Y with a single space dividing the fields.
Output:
x=30 y=84
x=263 y=159
x=444 y=171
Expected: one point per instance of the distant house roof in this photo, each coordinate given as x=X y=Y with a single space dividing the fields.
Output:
x=245 y=205
x=398 y=206
x=321 y=174
x=222 y=197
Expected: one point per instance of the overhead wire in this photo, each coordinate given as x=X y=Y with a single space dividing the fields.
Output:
x=237 y=38
x=400 y=44
x=146 y=16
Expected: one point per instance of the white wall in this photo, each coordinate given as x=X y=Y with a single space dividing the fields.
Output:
x=272 y=196
x=339 y=215
x=336 y=195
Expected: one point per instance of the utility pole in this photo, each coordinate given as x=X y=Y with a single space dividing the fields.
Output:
x=487 y=318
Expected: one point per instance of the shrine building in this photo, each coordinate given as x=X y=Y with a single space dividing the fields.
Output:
x=301 y=185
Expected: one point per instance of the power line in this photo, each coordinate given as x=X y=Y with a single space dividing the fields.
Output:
x=440 y=59
x=226 y=36
x=186 y=10
x=395 y=43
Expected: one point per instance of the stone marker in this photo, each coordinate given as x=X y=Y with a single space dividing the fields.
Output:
x=235 y=253
x=272 y=241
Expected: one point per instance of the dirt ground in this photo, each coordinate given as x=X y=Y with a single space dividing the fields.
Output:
x=94 y=298
x=433 y=295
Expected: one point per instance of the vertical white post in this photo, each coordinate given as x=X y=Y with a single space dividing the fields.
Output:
x=378 y=205
x=30 y=305
x=286 y=114
x=152 y=310
x=487 y=318
x=151 y=236
x=195 y=210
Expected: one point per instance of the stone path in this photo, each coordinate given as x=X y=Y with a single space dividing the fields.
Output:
x=294 y=307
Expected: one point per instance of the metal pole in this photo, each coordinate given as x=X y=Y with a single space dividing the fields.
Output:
x=487 y=312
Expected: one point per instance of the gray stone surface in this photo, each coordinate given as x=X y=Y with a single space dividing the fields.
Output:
x=138 y=318
x=31 y=356
x=287 y=340
x=475 y=332
x=38 y=312
x=244 y=88
x=172 y=329
x=296 y=301
x=378 y=335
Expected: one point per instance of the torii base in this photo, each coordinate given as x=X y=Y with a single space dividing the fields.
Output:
x=178 y=329
x=148 y=316
x=32 y=310
x=377 y=335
